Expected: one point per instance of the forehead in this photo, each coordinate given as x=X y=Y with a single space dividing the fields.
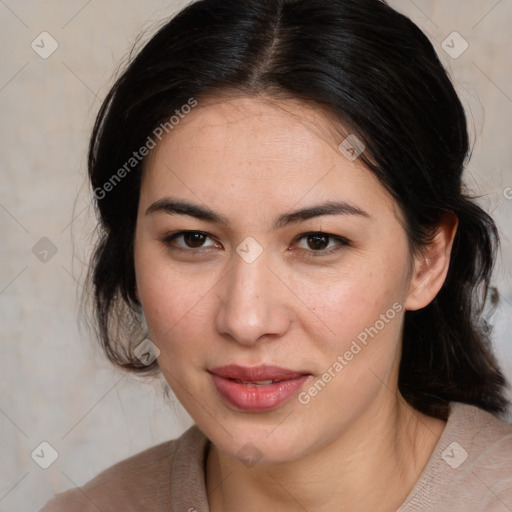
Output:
x=247 y=149
x=258 y=127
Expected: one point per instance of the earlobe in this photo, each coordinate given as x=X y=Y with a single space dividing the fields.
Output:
x=432 y=264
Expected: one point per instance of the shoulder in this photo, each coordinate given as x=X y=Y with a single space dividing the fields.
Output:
x=140 y=482
x=486 y=436
x=479 y=458
x=471 y=466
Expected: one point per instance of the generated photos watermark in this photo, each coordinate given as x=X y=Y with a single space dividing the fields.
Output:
x=343 y=360
x=139 y=155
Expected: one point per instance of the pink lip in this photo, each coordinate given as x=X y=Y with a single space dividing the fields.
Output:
x=249 y=398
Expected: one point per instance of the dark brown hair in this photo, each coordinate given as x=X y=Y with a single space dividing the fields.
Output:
x=378 y=73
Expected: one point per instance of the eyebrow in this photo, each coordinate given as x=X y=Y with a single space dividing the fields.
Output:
x=179 y=207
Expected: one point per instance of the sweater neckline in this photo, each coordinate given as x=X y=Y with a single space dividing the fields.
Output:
x=188 y=485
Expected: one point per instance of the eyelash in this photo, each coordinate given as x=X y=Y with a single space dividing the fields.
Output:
x=168 y=241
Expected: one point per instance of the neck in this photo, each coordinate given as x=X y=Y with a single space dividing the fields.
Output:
x=371 y=466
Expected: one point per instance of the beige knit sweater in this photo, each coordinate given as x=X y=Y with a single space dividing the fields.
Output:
x=470 y=470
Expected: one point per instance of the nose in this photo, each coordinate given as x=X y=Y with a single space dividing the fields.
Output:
x=253 y=302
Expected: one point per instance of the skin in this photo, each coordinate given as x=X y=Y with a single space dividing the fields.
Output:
x=357 y=445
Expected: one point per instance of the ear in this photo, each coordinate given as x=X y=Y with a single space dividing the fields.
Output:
x=431 y=265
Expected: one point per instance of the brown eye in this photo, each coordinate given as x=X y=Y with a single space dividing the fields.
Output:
x=317 y=241
x=321 y=244
x=188 y=241
x=194 y=239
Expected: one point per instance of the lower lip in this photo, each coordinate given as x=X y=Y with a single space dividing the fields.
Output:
x=257 y=398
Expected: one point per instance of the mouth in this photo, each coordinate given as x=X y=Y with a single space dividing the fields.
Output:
x=256 y=389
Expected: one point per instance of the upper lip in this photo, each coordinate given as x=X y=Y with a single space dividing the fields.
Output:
x=255 y=373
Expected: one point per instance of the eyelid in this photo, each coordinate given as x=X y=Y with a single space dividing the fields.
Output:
x=341 y=241
x=171 y=237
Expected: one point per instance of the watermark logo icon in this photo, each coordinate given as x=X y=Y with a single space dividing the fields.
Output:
x=455 y=45
x=146 y=352
x=249 y=250
x=44 y=455
x=352 y=147
x=44 y=250
x=249 y=455
x=44 y=45
x=454 y=455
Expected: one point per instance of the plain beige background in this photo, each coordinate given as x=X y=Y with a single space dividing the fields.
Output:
x=54 y=387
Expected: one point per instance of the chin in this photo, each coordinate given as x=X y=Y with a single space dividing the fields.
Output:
x=257 y=443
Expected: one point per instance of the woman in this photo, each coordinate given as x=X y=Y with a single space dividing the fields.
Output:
x=279 y=189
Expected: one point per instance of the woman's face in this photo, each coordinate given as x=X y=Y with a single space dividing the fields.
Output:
x=255 y=282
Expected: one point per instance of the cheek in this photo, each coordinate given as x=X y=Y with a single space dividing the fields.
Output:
x=171 y=308
x=360 y=345
x=176 y=307
x=341 y=307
